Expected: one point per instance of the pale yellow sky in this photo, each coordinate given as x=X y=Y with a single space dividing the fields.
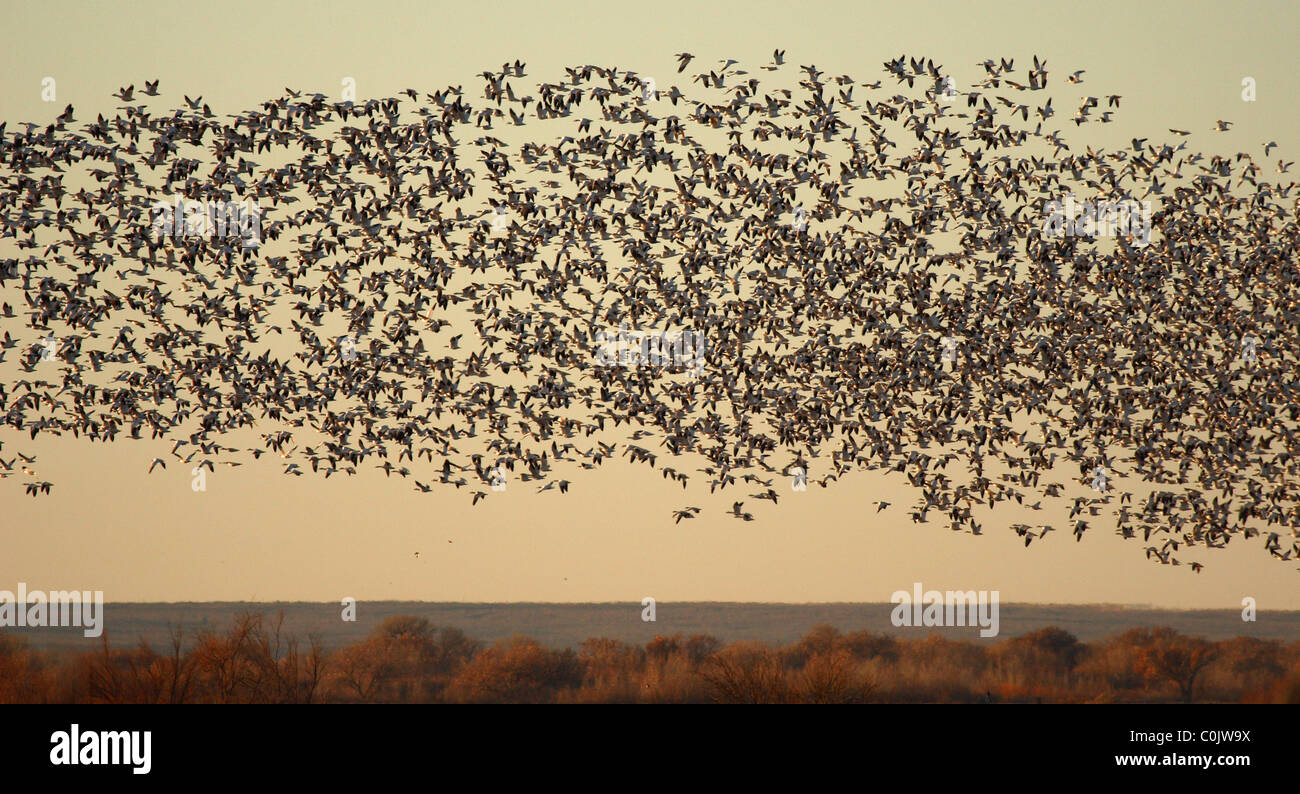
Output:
x=258 y=535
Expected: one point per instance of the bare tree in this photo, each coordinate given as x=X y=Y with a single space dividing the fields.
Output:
x=747 y=674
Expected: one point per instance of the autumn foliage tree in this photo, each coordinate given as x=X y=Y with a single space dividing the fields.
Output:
x=519 y=670
x=405 y=659
x=1177 y=659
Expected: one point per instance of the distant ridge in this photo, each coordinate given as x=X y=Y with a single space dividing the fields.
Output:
x=566 y=625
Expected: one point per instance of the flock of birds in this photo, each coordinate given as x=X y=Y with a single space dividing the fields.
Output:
x=425 y=294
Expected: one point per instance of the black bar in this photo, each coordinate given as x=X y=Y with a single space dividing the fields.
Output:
x=438 y=745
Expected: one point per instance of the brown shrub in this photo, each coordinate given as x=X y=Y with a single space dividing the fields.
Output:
x=747 y=673
x=519 y=670
x=140 y=675
x=1176 y=659
x=404 y=660
x=834 y=676
x=23 y=676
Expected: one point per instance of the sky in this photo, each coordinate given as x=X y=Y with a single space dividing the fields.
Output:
x=257 y=535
